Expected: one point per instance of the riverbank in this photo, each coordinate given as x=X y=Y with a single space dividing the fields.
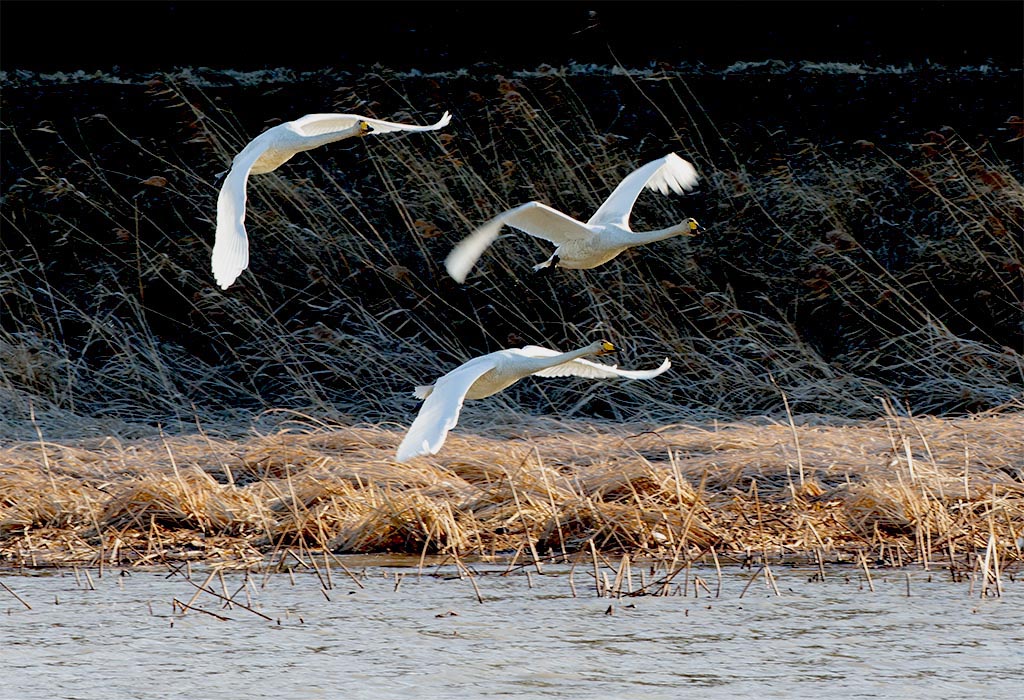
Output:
x=892 y=491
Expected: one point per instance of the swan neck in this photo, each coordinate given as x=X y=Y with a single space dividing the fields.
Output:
x=661 y=234
x=540 y=363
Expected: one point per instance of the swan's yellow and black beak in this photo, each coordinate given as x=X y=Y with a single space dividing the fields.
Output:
x=606 y=348
x=694 y=227
x=364 y=128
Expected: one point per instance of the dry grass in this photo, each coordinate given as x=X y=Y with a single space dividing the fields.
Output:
x=900 y=490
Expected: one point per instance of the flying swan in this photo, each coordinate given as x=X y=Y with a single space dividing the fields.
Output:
x=267 y=152
x=583 y=246
x=489 y=374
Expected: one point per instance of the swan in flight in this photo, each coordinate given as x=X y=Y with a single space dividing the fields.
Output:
x=267 y=152
x=489 y=374
x=583 y=246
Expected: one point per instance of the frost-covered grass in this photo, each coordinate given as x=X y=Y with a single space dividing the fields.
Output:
x=832 y=275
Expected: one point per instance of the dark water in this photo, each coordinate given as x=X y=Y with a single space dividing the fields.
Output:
x=836 y=638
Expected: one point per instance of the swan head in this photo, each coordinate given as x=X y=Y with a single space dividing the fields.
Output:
x=603 y=347
x=365 y=128
x=693 y=227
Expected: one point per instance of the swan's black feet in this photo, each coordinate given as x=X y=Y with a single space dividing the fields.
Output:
x=549 y=269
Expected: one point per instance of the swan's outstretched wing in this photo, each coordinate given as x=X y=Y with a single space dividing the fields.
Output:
x=665 y=174
x=440 y=411
x=534 y=218
x=231 y=246
x=590 y=370
x=316 y=124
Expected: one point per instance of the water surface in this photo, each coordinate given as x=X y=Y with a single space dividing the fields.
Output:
x=431 y=638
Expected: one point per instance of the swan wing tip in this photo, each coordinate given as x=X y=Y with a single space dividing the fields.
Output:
x=468 y=251
x=224 y=272
x=459 y=262
x=456 y=271
x=675 y=175
x=408 y=451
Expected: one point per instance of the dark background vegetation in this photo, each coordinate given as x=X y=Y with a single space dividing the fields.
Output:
x=144 y=36
x=864 y=226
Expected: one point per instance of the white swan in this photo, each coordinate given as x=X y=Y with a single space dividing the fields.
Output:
x=267 y=152
x=582 y=246
x=489 y=374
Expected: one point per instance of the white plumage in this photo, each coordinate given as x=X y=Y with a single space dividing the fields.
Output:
x=585 y=245
x=488 y=374
x=267 y=152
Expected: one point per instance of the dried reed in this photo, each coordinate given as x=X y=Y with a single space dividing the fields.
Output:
x=603 y=487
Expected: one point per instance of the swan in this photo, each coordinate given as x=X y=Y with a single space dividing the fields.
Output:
x=583 y=246
x=267 y=152
x=489 y=374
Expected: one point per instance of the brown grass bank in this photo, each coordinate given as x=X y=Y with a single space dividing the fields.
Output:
x=895 y=490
